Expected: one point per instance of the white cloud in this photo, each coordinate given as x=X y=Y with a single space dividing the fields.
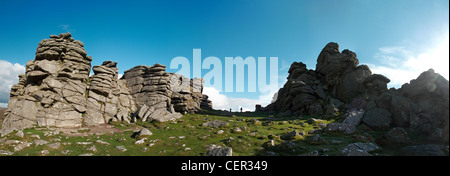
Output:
x=222 y=102
x=219 y=100
x=285 y=65
x=402 y=65
x=8 y=77
x=65 y=27
x=3 y=105
x=392 y=55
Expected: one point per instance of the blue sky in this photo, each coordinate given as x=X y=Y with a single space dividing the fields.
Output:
x=396 y=38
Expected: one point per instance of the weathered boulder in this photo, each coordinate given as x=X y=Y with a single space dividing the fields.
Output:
x=350 y=123
x=376 y=83
x=215 y=123
x=377 y=119
x=287 y=146
x=220 y=151
x=359 y=149
x=395 y=138
x=290 y=135
x=141 y=134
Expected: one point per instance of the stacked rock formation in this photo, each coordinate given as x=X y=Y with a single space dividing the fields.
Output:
x=53 y=90
x=302 y=93
x=150 y=88
x=336 y=81
x=56 y=91
x=338 y=84
x=421 y=106
x=187 y=94
x=162 y=96
x=206 y=103
x=108 y=97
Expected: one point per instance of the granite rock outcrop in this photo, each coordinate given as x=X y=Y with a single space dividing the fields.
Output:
x=56 y=91
x=338 y=86
x=52 y=92
x=151 y=90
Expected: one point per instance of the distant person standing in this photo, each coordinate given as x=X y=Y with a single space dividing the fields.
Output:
x=230 y=109
x=241 y=109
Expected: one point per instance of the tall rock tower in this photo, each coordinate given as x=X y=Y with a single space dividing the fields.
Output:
x=53 y=90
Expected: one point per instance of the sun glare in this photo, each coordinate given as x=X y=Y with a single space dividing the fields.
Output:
x=436 y=58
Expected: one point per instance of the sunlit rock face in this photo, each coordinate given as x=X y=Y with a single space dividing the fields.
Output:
x=162 y=96
x=56 y=91
x=108 y=97
x=150 y=88
x=53 y=90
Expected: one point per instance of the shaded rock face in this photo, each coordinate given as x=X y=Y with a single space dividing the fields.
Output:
x=337 y=80
x=421 y=105
x=52 y=91
x=206 y=103
x=56 y=91
x=377 y=118
x=428 y=97
x=339 y=84
x=302 y=93
x=343 y=78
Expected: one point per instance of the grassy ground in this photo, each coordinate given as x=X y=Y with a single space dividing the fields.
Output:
x=187 y=136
